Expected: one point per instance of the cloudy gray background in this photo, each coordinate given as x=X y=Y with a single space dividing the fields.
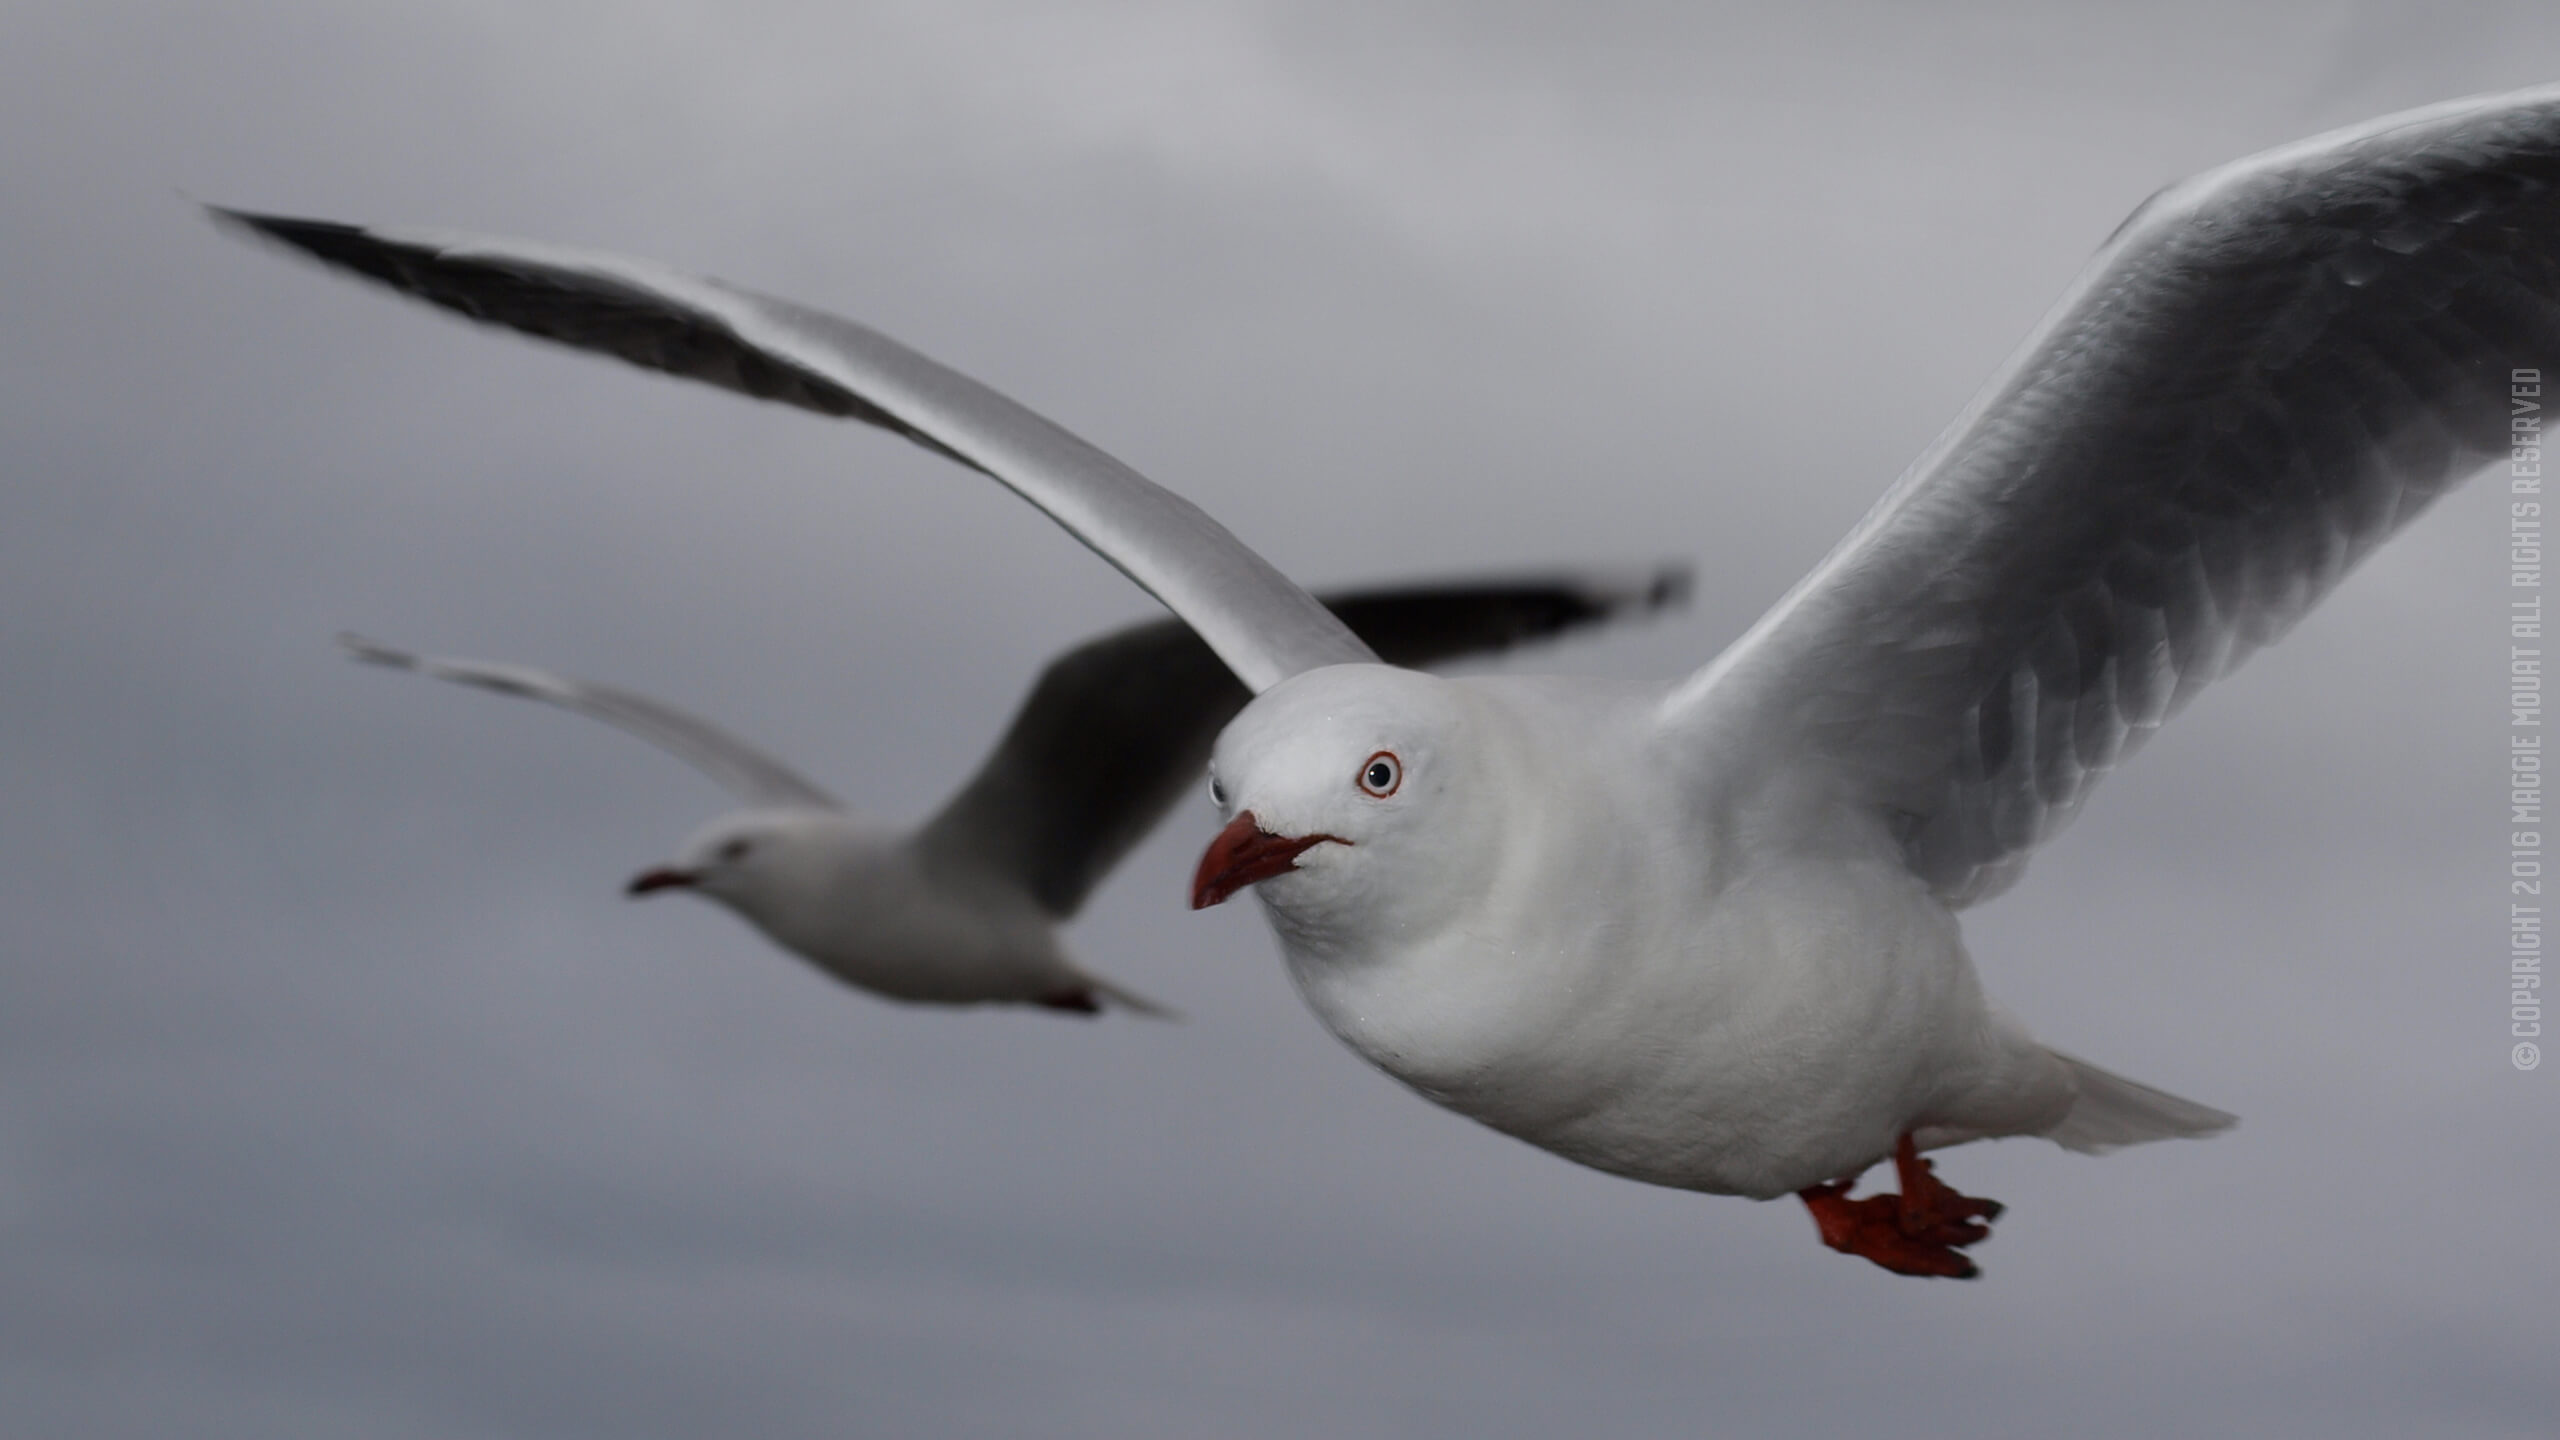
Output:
x=340 y=1093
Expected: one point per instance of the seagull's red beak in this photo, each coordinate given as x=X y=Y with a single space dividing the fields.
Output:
x=1243 y=853
x=663 y=878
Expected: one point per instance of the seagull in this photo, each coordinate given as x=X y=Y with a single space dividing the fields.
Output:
x=1704 y=933
x=964 y=909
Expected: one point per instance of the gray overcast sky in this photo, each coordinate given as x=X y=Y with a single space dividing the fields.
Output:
x=341 y=1094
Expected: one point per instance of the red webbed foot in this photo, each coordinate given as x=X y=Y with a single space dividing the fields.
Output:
x=1933 y=1210
x=1918 y=1232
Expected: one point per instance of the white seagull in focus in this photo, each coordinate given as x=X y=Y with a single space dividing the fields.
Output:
x=964 y=909
x=1704 y=934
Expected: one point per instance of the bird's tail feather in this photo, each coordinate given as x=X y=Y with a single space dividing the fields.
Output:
x=2113 y=1111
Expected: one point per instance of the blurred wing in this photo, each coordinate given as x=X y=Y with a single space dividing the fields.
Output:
x=737 y=767
x=1259 y=622
x=1120 y=727
x=2266 y=371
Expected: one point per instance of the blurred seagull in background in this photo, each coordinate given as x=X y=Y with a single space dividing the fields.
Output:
x=964 y=910
x=1704 y=933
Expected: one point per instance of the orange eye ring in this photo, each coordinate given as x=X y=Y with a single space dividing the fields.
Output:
x=1381 y=775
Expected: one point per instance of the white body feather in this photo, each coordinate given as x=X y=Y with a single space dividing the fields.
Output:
x=861 y=905
x=1746 y=1006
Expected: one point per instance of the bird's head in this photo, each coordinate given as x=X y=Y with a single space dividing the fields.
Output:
x=754 y=861
x=1356 y=799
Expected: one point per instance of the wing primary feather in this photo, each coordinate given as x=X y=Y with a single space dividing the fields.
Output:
x=1260 y=623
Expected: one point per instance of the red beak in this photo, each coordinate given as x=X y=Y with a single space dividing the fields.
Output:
x=662 y=878
x=1244 y=853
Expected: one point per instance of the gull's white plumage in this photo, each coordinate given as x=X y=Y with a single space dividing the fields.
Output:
x=1536 y=931
x=855 y=900
x=1705 y=935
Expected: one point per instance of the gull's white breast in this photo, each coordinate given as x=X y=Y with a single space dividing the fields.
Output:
x=1743 y=992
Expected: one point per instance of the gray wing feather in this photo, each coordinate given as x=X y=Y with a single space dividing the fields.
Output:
x=737 y=767
x=1258 y=621
x=1119 y=728
x=2265 y=372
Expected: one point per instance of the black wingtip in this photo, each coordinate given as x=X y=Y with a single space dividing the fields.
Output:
x=1672 y=585
x=332 y=242
x=246 y=224
x=252 y=222
x=1641 y=592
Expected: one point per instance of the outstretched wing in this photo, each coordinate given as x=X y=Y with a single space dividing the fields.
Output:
x=1260 y=623
x=1120 y=727
x=2266 y=371
x=737 y=767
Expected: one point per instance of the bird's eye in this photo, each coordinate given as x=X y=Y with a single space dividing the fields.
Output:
x=1217 y=793
x=1381 y=773
x=735 y=850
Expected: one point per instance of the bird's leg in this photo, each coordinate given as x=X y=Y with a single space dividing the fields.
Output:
x=1851 y=1227
x=1075 y=1002
x=1917 y=1232
x=1932 y=1210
